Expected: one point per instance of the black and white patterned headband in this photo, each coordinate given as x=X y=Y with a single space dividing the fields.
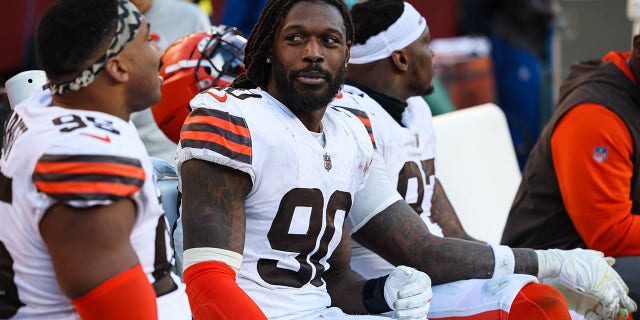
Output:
x=129 y=22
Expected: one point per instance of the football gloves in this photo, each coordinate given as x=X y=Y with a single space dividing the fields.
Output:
x=407 y=291
x=588 y=276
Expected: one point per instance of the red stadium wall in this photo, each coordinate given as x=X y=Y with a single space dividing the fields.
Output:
x=18 y=21
x=442 y=16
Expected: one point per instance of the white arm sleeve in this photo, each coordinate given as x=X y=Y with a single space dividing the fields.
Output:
x=377 y=194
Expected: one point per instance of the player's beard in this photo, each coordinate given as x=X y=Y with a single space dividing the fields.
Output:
x=421 y=86
x=302 y=101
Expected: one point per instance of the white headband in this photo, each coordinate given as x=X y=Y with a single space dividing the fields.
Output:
x=400 y=34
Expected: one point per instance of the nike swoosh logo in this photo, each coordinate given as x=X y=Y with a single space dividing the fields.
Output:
x=221 y=98
x=106 y=137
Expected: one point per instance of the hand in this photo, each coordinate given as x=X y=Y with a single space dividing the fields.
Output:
x=587 y=273
x=408 y=292
x=586 y=305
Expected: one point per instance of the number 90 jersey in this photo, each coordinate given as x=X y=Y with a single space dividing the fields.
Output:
x=301 y=194
x=53 y=155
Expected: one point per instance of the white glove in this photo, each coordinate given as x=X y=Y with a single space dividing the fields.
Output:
x=408 y=292
x=587 y=274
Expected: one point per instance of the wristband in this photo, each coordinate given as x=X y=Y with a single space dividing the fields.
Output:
x=373 y=296
x=197 y=255
x=505 y=262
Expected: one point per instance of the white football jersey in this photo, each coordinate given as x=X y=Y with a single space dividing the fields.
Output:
x=53 y=155
x=409 y=153
x=301 y=190
x=408 y=150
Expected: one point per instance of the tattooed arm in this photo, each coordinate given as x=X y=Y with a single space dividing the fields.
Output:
x=214 y=222
x=213 y=205
x=407 y=241
x=344 y=284
x=443 y=214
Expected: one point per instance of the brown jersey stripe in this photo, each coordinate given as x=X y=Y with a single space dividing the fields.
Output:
x=63 y=177
x=358 y=113
x=115 y=189
x=59 y=171
x=214 y=146
x=67 y=197
x=223 y=124
x=205 y=128
x=217 y=139
x=89 y=158
x=373 y=139
x=364 y=118
x=217 y=131
x=225 y=116
x=6 y=188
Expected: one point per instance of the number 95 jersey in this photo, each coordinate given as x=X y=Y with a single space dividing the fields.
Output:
x=302 y=189
x=53 y=155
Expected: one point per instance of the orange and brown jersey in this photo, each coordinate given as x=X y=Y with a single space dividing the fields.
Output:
x=217 y=131
x=88 y=177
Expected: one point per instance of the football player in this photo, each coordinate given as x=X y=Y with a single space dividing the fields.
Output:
x=501 y=303
x=268 y=174
x=83 y=234
x=390 y=62
x=190 y=65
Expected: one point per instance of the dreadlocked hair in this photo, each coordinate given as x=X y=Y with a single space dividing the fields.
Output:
x=262 y=37
x=374 y=16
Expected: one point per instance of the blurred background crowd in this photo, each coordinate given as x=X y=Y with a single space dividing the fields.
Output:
x=512 y=53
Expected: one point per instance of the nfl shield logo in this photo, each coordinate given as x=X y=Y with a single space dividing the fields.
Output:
x=600 y=154
x=327 y=162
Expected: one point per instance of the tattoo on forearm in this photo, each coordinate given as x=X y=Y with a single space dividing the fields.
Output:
x=526 y=261
x=411 y=244
x=213 y=212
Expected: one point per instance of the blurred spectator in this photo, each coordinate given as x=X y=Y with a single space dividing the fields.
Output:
x=170 y=20
x=205 y=5
x=520 y=33
x=242 y=14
